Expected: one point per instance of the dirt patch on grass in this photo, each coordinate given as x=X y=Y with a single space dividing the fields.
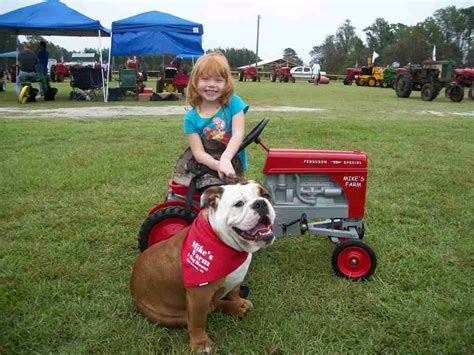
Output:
x=442 y=114
x=120 y=111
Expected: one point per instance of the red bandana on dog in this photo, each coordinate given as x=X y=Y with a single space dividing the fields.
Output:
x=204 y=257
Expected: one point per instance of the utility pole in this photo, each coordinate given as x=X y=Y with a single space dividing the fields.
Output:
x=256 y=52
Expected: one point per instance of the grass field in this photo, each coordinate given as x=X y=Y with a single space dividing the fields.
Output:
x=74 y=194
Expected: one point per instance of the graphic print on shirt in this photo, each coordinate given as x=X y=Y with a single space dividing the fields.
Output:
x=218 y=131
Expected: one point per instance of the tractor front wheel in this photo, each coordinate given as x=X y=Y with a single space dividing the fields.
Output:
x=404 y=85
x=163 y=224
x=372 y=82
x=354 y=259
x=293 y=80
x=360 y=82
x=347 y=81
x=428 y=92
x=456 y=92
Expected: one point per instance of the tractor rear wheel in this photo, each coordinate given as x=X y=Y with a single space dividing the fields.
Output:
x=404 y=85
x=163 y=224
x=371 y=82
x=360 y=82
x=456 y=93
x=428 y=92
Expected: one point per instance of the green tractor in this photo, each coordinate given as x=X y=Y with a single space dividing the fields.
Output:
x=389 y=77
x=429 y=78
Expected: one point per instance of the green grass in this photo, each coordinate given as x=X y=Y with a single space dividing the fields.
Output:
x=74 y=194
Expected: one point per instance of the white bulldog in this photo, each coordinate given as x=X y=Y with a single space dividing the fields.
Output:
x=179 y=281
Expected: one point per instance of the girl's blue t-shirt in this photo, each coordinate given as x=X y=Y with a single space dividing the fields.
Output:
x=218 y=126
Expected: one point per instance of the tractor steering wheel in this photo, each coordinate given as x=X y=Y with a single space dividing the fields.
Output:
x=254 y=134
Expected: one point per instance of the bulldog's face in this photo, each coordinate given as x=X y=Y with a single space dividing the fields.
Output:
x=242 y=215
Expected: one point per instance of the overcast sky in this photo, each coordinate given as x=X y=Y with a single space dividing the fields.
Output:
x=298 y=24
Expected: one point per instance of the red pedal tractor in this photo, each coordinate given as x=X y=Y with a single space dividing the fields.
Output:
x=318 y=192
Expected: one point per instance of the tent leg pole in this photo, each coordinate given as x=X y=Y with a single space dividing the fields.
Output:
x=109 y=70
x=101 y=71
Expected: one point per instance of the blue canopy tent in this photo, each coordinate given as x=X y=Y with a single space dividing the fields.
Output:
x=51 y=18
x=155 y=32
x=9 y=54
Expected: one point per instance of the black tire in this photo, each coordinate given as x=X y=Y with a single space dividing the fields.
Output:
x=3 y=86
x=347 y=81
x=404 y=85
x=470 y=93
x=428 y=92
x=273 y=78
x=241 y=76
x=181 y=90
x=286 y=79
x=354 y=259
x=177 y=212
x=456 y=93
x=384 y=84
x=258 y=78
x=52 y=73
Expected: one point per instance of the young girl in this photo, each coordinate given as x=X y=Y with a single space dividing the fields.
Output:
x=217 y=114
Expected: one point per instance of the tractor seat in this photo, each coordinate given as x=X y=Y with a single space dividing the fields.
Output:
x=182 y=190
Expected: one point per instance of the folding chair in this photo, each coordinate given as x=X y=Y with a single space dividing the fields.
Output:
x=85 y=81
x=128 y=80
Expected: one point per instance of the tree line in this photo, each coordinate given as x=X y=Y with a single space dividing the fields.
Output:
x=450 y=30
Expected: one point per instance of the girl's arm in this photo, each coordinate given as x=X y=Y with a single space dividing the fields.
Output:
x=200 y=154
x=238 y=129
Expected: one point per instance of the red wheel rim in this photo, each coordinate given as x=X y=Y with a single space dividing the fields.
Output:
x=354 y=262
x=165 y=230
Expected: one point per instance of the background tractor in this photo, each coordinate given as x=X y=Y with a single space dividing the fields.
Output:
x=249 y=73
x=281 y=73
x=370 y=76
x=389 y=77
x=429 y=78
x=352 y=74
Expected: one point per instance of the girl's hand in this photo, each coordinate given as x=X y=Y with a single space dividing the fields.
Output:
x=225 y=169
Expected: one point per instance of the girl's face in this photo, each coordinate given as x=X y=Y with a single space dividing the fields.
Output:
x=211 y=88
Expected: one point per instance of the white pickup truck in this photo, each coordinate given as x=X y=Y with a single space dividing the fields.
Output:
x=306 y=73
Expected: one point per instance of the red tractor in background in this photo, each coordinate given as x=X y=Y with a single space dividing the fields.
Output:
x=59 y=72
x=282 y=73
x=352 y=74
x=250 y=73
x=465 y=78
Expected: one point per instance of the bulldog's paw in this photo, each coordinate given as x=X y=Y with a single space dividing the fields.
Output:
x=202 y=345
x=246 y=304
x=240 y=308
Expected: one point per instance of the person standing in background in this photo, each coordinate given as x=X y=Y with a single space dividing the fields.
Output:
x=43 y=57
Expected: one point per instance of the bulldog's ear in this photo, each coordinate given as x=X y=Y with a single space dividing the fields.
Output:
x=263 y=192
x=211 y=197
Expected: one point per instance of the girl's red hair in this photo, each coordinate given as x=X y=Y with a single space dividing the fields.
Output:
x=214 y=64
